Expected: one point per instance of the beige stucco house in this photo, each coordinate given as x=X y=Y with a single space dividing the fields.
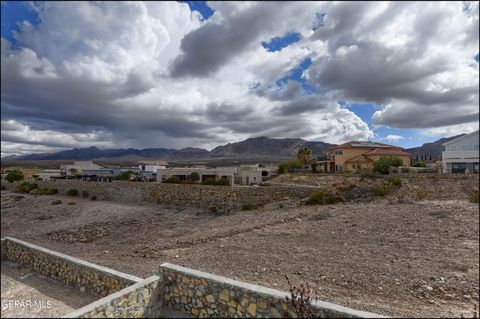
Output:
x=357 y=155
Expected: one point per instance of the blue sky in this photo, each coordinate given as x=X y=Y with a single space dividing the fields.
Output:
x=276 y=44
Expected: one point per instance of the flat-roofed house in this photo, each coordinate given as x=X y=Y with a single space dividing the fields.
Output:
x=461 y=155
x=357 y=155
x=205 y=173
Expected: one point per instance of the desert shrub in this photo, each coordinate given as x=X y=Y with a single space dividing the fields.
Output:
x=19 y=197
x=366 y=173
x=188 y=181
x=395 y=181
x=382 y=166
x=419 y=164
x=15 y=175
x=195 y=176
x=94 y=197
x=84 y=194
x=25 y=187
x=381 y=189
x=420 y=193
x=72 y=192
x=173 y=180
x=125 y=176
x=47 y=191
x=219 y=182
x=301 y=299
x=474 y=195
x=71 y=203
x=56 y=202
x=248 y=206
x=288 y=166
x=320 y=197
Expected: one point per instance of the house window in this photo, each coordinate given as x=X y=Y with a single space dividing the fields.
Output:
x=464 y=147
x=338 y=168
x=339 y=152
x=254 y=178
x=164 y=177
x=453 y=148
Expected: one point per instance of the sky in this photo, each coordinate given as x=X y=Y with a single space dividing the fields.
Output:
x=203 y=74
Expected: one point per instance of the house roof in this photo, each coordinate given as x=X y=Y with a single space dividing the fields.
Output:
x=461 y=137
x=388 y=152
x=363 y=144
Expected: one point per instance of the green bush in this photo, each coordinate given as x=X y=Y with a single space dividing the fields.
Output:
x=383 y=165
x=173 y=180
x=25 y=187
x=195 y=176
x=395 y=181
x=288 y=166
x=381 y=189
x=474 y=195
x=84 y=194
x=320 y=197
x=419 y=164
x=366 y=173
x=72 y=192
x=212 y=181
x=56 y=202
x=94 y=197
x=14 y=175
x=248 y=206
x=125 y=176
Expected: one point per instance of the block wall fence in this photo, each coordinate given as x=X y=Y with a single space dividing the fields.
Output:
x=191 y=292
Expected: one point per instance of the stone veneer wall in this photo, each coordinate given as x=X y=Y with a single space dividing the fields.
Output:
x=204 y=196
x=136 y=301
x=205 y=295
x=95 y=279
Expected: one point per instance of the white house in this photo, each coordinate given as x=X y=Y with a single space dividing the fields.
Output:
x=78 y=167
x=461 y=155
x=49 y=174
x=205 y=173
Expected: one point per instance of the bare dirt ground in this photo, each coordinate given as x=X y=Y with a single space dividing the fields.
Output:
x=416 y=259
x=37 y=296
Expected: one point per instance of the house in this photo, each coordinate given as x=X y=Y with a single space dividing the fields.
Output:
x=252 y=174
x=71 y=170
x=205 y=173
x=49 y=174
x=461 y=155
x=356 y=155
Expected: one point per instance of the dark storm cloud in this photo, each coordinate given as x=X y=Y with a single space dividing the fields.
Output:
x=208 y=48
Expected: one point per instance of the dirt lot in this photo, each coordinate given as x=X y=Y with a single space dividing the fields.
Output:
x=398 y=259
x=37 y=296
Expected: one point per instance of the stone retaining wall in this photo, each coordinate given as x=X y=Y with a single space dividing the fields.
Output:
x=136 y=301
x=177 y=194
x=95 y=279
x=206 y=295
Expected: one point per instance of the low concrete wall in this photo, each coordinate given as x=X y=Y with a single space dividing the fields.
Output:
x=175 y=194
x=136 y=301
x=85 y=276
x=206 y=295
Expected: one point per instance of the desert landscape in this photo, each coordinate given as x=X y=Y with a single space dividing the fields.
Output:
x=397 y=255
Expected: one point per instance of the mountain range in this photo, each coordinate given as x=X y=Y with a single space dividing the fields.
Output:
x=252 y=149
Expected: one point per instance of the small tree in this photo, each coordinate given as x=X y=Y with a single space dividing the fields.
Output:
x=289 y=165
x=313 y=164
x=384 y=163
x=195 y=176
x=14 y=175
x=304 y=154
x=125 y=176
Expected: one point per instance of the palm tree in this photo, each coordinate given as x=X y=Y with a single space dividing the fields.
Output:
x=304 y=154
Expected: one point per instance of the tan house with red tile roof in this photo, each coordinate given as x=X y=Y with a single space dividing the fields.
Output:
x=356 y=155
